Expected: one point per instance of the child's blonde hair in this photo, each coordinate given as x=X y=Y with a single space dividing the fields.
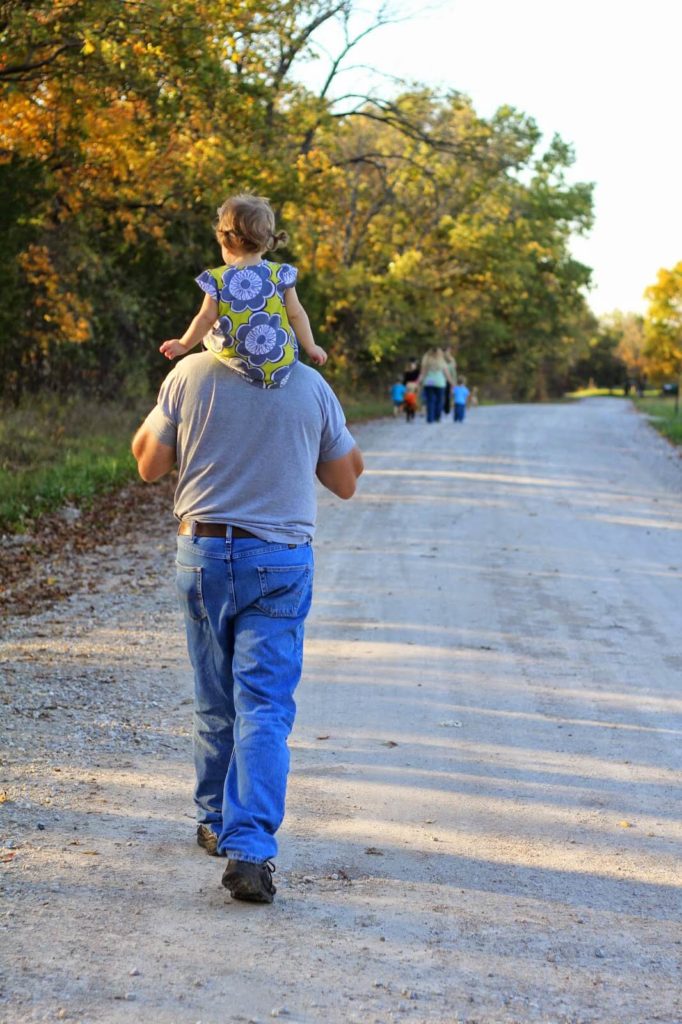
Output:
x=247 y=223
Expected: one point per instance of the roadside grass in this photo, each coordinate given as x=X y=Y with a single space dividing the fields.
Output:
x=661 y=414
x=54 y=452
x=607 y=393
x=361 y=406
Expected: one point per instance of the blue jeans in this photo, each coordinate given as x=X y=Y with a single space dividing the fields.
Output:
x=433 y=397
x=244 y=602
x=460 y=411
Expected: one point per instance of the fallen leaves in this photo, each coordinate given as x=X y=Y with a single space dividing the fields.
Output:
x=39 y=569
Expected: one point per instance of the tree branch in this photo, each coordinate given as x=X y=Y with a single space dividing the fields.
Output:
x=19 y=72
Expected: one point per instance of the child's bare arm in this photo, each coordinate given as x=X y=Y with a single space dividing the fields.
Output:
x=200 y=326
x=298 y=318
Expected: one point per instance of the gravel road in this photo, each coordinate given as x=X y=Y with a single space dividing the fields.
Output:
x=483 y=818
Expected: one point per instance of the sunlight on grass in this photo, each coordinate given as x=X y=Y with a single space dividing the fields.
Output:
x=661 y=414
x=53 y=452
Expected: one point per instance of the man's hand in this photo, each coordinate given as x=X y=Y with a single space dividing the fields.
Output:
x=154 y=459
x=340 y=475
x=172 y=348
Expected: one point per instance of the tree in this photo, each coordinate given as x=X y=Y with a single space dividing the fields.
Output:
x=601 y=362
x=663 y=328
x=630 y=349
x=431 y=235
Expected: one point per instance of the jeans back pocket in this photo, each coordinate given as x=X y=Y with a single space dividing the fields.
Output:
x=286 y=590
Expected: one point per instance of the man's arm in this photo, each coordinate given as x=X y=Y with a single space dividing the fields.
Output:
x=340 y=475
x=154 y=459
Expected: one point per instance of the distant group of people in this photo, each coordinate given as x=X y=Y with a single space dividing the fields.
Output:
x=435 y=381
x=638 y=386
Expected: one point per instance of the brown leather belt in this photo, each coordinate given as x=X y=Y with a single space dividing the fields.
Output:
x=212 y=530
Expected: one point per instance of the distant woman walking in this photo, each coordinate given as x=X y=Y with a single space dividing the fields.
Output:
x=434 y=377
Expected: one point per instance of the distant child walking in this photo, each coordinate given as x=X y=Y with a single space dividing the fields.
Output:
x=260 y=320
x=398 y=396
x=460 y=394
x=410 y=401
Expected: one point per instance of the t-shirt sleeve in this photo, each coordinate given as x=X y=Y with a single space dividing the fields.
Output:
x=287 y=276
x=336 y=440
x=208 y=284
x=162 y=420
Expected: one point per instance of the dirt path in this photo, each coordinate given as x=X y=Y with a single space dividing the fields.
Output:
x=483 y=819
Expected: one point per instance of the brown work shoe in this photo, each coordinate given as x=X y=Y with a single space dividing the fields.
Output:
x=207 y=838
x=248 y=881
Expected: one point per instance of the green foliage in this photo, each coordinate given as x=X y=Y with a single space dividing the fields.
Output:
x=601 y=362
x=52 y=453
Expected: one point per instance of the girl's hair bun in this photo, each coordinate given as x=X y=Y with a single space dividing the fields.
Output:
x=279 y=238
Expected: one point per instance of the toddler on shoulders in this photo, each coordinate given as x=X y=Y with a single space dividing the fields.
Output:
x=260 y=320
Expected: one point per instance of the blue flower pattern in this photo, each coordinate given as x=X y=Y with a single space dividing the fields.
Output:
x=280 y=376
x=253 y=335
x=208 y=284
x=286 y=277
x=262 y=339
x=247 y=287
x=218 y=336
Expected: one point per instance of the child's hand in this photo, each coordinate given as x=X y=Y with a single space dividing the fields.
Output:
x=172 y=349
x=317 y=355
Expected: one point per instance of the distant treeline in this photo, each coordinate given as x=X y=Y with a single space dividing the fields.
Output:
x=413 y=220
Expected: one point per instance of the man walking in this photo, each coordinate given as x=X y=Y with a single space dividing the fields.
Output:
x=247 y=459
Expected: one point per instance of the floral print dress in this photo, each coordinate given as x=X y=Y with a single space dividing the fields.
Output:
x=253 y=335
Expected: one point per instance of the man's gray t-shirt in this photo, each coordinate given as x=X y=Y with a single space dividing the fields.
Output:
x=247 y=455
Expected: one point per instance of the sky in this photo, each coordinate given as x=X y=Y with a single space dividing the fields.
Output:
x=606 y=75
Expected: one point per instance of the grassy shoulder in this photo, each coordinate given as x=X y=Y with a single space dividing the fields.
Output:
x=54 y=452
x=365 y=406
x=607 y=393
x=661 y=414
